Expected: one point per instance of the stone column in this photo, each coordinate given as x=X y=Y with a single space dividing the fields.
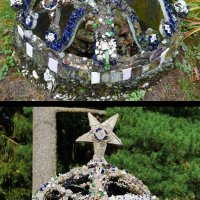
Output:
x=44 y=145
x=45 y=141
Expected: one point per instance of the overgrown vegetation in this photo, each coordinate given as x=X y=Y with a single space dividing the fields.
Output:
x=193 y=21
x=15 y=153
x=136 y=95
x=7 y=18
x=191 y=58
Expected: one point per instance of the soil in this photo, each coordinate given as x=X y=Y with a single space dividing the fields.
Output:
x=167 y=88
x=16 y=88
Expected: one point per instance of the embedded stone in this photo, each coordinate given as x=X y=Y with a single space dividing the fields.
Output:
x=101 y=20
x=115 y=76
x=105 y=77
x=145 y=68
x=40 y=58
x=99 y=57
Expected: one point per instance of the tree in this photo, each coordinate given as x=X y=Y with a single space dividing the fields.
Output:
x=15 y=153
x=161 y=150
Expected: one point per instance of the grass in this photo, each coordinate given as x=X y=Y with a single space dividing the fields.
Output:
x=7 y=20
x=190 y=60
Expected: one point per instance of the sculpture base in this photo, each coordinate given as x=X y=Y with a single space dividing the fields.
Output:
x=97 y=160
x=83 y=82
x=80 y=184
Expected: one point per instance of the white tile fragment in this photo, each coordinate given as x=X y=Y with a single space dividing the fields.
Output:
x=95 y=77
x=145 y=68
x=163 y=56
x=53 y=65
x=20 y=31
x=29 y=50
x=85 y=59
x=126 y=74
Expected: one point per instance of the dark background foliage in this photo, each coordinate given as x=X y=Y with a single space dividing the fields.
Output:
x=15 y=153
x=161 y=146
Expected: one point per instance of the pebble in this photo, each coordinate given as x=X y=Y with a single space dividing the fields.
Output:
x=35 y=75
x=145 y=85
x=101 y=20
x=85 y=59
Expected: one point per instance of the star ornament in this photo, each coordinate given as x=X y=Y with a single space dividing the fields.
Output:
x=101 y=132
x=100 y=135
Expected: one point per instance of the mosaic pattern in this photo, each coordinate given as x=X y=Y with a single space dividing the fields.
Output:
x=105 y=48
x=54 y=66
x=100 y=135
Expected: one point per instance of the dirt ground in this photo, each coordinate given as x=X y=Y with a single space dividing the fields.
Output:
x=16 y=88
x=167 y=88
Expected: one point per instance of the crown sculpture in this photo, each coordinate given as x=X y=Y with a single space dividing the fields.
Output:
x=76 y=45
x=98 y=180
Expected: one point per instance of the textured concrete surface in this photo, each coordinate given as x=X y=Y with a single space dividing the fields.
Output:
x=44 y=145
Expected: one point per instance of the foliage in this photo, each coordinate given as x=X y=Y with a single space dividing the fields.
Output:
x=185 y=67
x=15 y=154
x=161 y=150
x=189 y=89
x=137 y=95
x=191 y=113
x=7 y=18
x=193 y=21
x=69 y=127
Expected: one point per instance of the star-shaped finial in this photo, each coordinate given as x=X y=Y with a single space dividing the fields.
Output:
x=100 y=134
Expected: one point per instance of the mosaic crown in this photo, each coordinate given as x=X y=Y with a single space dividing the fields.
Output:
x=83 y=36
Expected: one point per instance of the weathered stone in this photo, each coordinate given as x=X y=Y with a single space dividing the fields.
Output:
x=81 y=62
x=115 y=76
x=40 y=58
x=105 y=77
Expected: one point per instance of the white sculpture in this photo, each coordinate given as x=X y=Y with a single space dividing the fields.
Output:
x=100 y=134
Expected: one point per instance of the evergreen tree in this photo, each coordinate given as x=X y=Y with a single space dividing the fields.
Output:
x=192 y=113
x=15 y=153
x=161 y=150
